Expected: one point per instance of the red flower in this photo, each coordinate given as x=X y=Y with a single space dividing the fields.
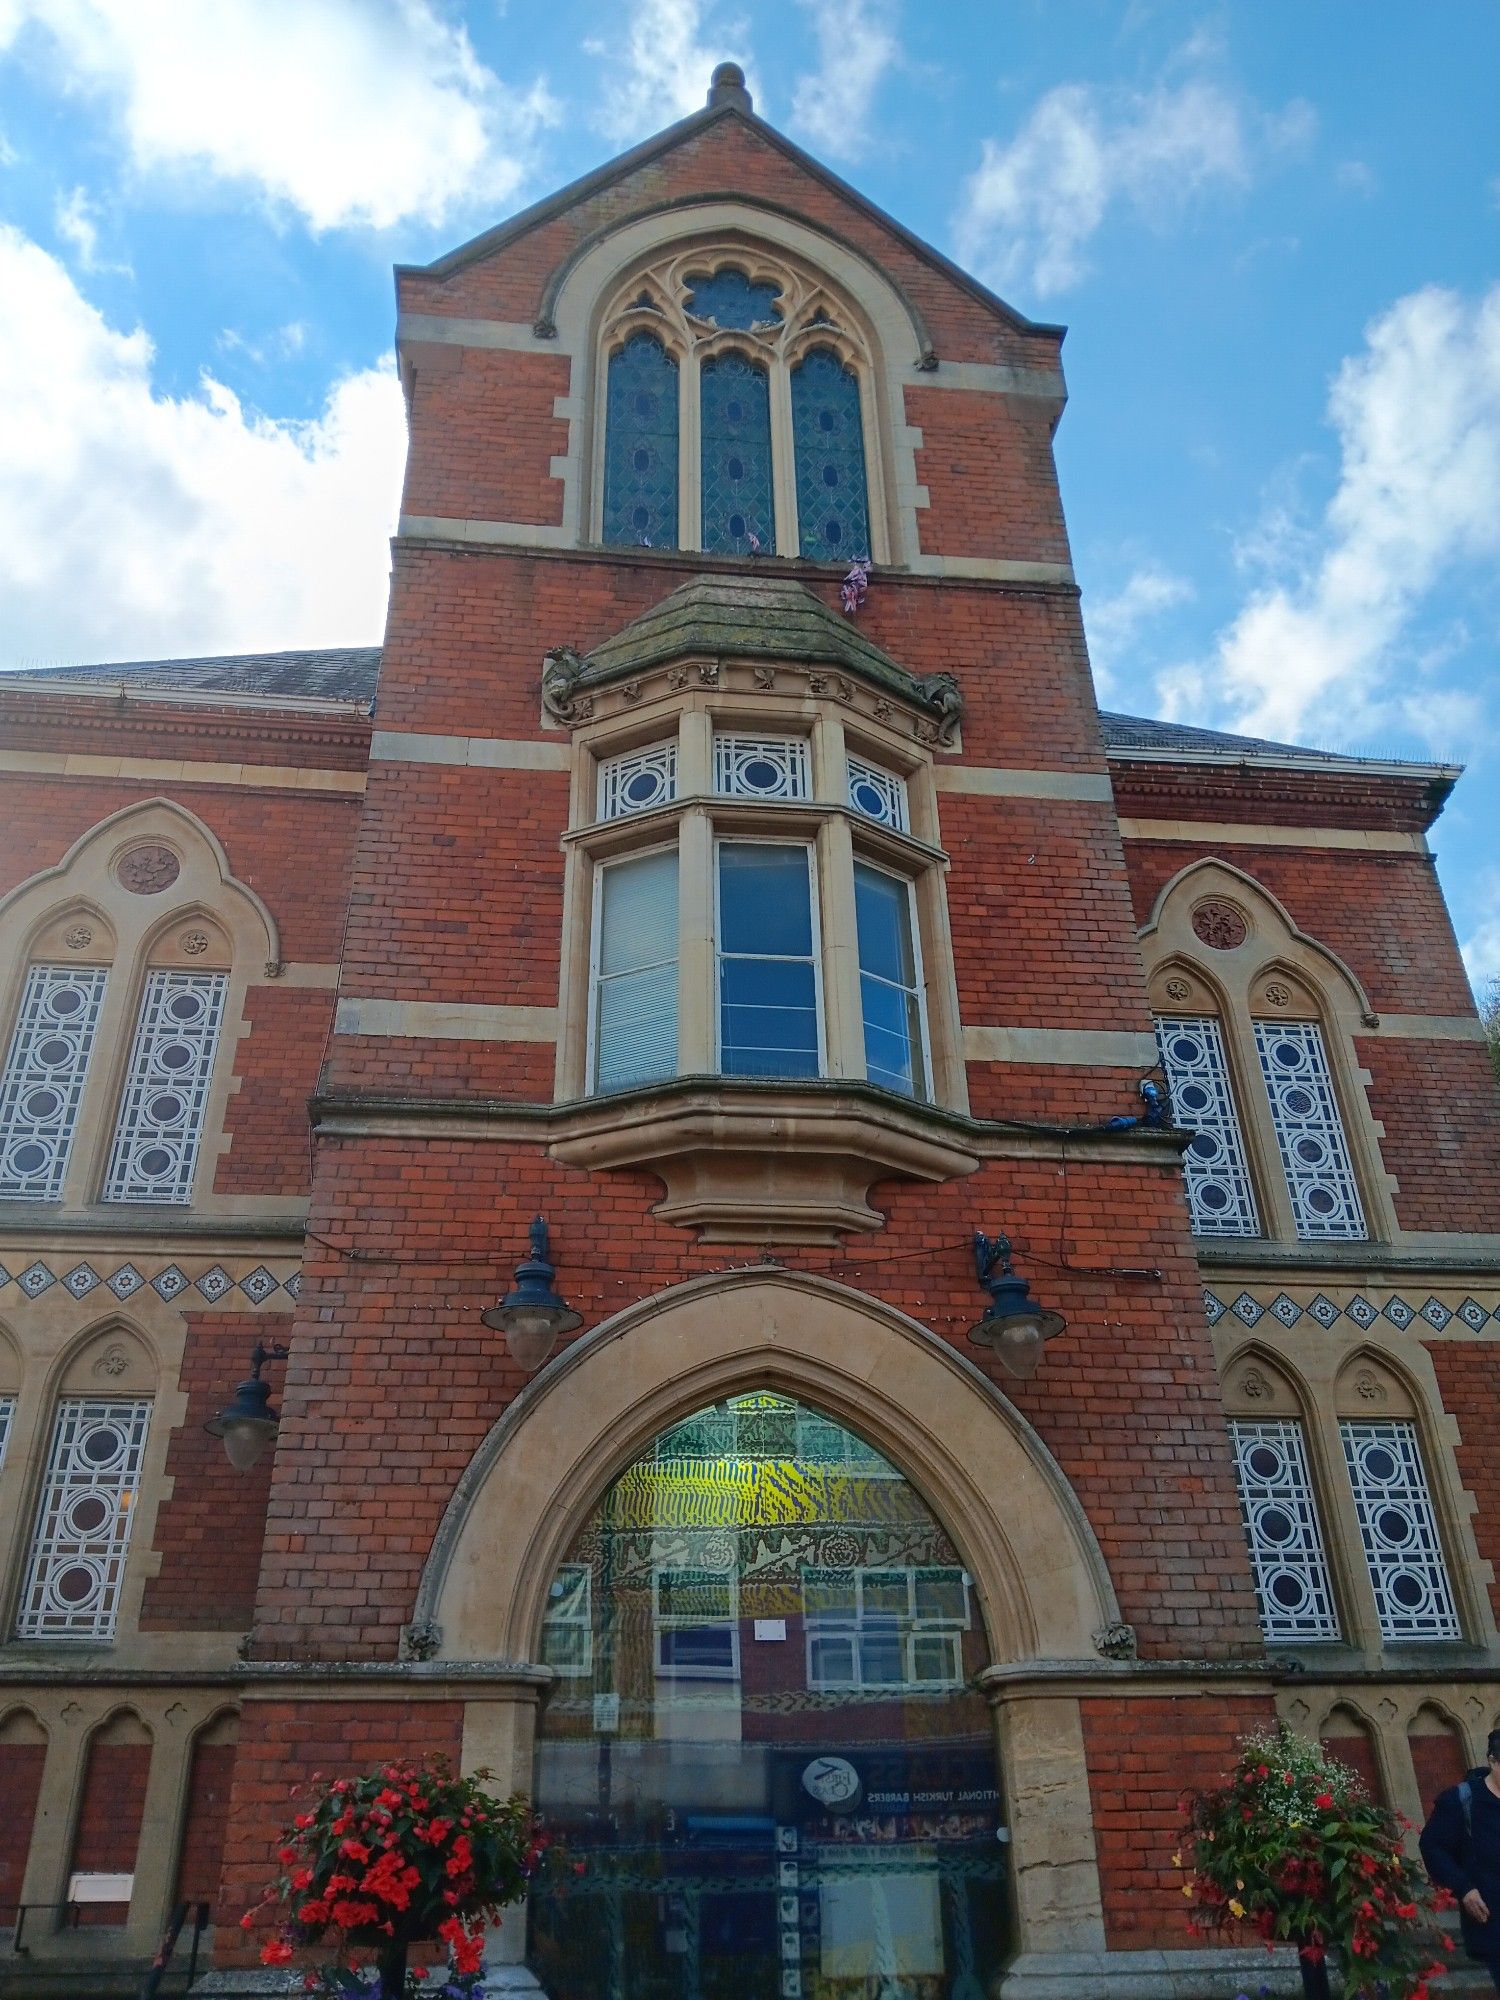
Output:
x=286 y=1856
x=302 y=1878
x=451 y=1931
x=314 y=1915
x=353 y=1915
x=1324 y=1799
x=276 y=1952
x=469 y=1955
x=354 y=1850
x=303 y=1821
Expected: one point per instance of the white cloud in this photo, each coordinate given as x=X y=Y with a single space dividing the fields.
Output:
x=1114 y=623
x=76 y=219
x=1481 y=947
x=135 y=525
x=659 y=70
x=1417 y=415
x=350 y=112
x=857 y=45
x=1031 y=210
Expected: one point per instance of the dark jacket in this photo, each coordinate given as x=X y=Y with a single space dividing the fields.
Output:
x=1461 y=1861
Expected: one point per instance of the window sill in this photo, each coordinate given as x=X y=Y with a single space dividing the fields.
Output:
x=749 y=1162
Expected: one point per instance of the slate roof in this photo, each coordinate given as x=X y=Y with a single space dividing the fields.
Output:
x=751 y=617
x=333 y=673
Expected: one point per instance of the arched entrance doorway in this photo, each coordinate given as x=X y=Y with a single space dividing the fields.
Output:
x=763 y=1744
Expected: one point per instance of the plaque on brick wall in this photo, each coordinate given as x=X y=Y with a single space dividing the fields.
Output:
x=1220 y=925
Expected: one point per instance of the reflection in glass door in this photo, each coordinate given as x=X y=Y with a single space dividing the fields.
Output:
x=763 y=1743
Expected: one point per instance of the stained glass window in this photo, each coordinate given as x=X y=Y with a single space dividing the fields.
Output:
x=640 y=447
x=778 y=1773
x=729 y=299
x=833 y=509
x=738 y=512
x=1309 y=1130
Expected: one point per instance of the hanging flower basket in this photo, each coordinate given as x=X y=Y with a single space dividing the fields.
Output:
x=407 y=1854
x=1293 y=1850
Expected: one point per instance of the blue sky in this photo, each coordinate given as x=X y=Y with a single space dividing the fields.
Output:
x=1272 y=229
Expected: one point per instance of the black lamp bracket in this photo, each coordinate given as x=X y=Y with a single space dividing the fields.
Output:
x=264 y=1352
x=989 y=1252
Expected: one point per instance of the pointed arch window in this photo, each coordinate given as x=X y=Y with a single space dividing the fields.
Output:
x=640 y=477
x=738 y=412
x=833 y=513
x=41 y=1087
x=738 y=509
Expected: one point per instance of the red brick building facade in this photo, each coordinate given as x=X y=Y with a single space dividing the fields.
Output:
x=770 y=950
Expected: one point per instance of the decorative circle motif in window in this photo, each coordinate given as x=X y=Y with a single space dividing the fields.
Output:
x=83 y=1528
x=1309 y=1130
x=1220 y=1196
x=1220 y=925
x=1281 y=1524
x=729 y=299
x=147 y=871
x=42 y=1082
x=638 y=780
x=761 y=767
x=879 y=795
x=1398 y=1527
x=166 y=1092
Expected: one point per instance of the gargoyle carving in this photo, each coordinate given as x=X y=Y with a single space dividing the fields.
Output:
x=562 y=669
x=944 y=696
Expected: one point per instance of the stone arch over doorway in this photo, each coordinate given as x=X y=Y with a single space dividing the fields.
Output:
x=986 y=1474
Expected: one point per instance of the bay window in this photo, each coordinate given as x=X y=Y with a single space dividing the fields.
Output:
x=759 y=930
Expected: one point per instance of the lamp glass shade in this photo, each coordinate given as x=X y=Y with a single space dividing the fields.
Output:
x=246 y=1440
x=531 y=1328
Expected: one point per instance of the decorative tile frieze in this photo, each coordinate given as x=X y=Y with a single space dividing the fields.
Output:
x=214 y=1283
x=82 y=1280
x=1401 y=1312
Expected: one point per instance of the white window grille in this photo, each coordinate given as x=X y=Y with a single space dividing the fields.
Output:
x=72 y=1587
x=696 y=1618
x=638 y=780
x=633 y=1018
x=1398 y=1527
x=1221 y=1199
x=885 y=1628
x=7 y=1411
x=1281 y=1523
x=1309 y=1130
x=568 y=1627
x=761 y=767
x=878 y=794
x=166 y=1090
x=42 y=1084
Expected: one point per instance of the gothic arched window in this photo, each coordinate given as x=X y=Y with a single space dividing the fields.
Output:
x=640 y=480
x=737 y=395
x=833 y=513
x=738 y=509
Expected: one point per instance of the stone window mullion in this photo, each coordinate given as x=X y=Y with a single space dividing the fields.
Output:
x=783 y=461
x=843 y=1023
x=698 y=986
x=690 y=454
